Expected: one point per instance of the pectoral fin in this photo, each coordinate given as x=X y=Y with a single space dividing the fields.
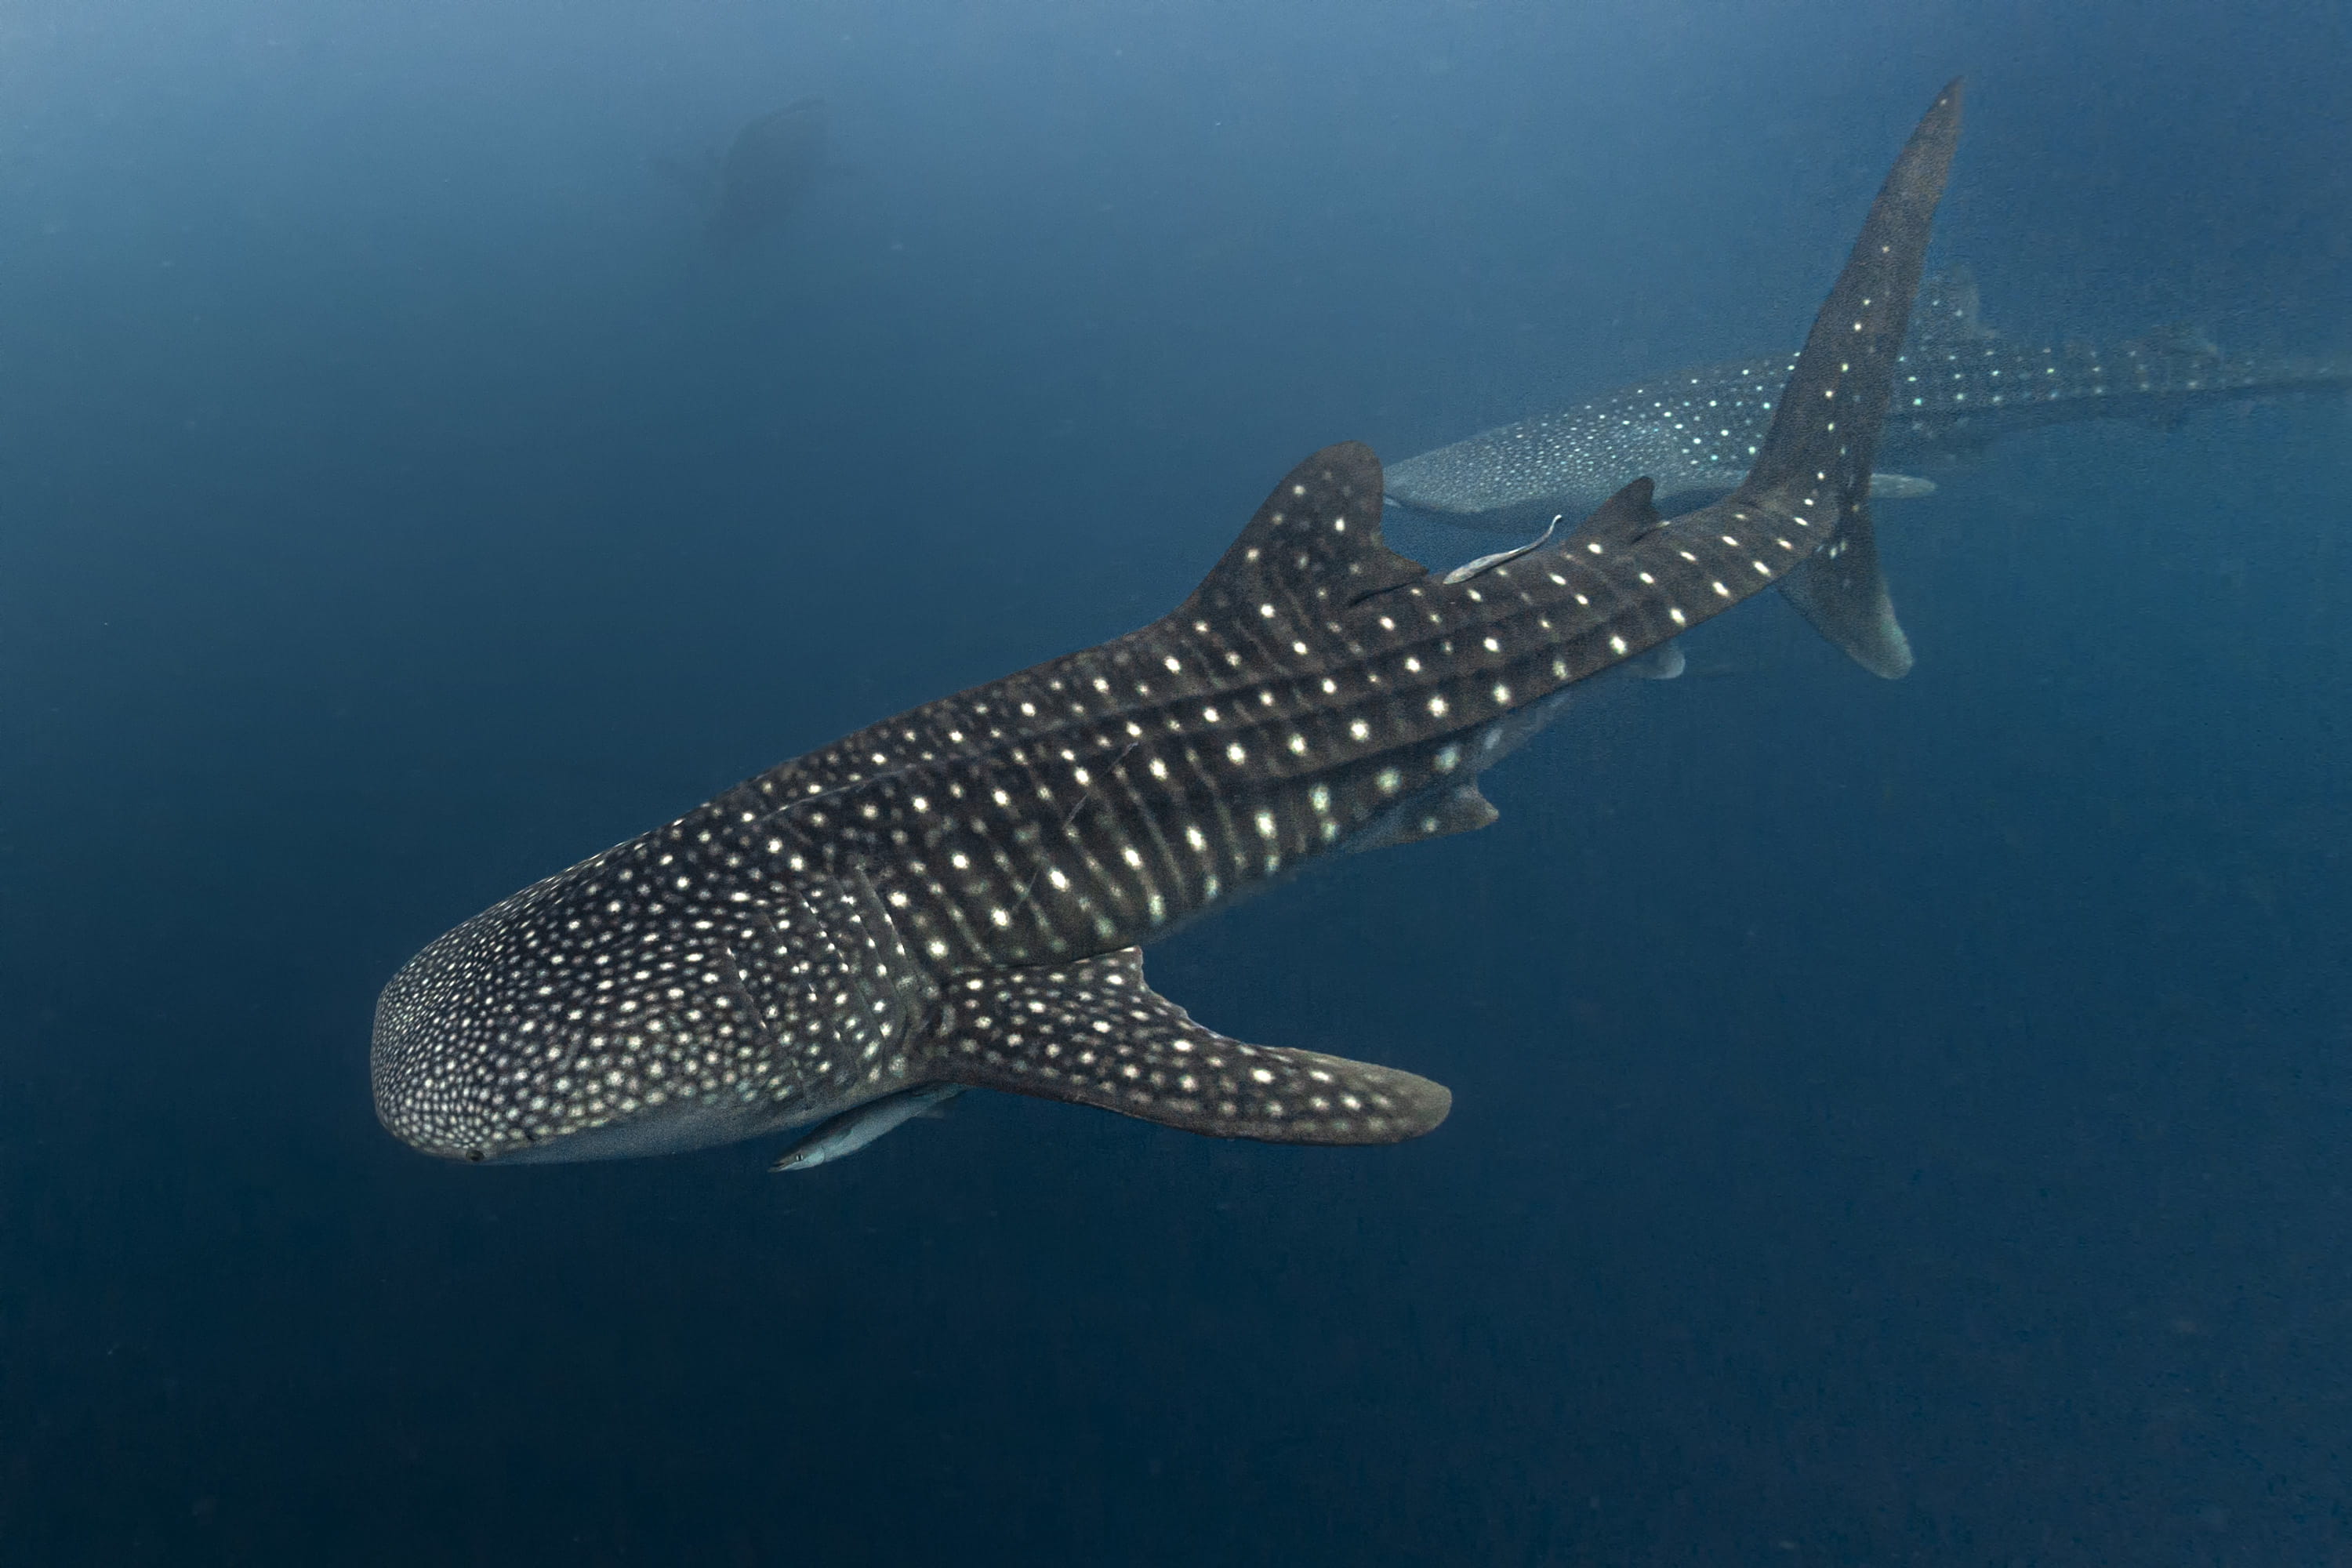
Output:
x=1461 y=809
x=1092 y=1033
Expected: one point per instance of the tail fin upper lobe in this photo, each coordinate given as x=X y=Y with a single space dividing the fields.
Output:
x=1825 y=431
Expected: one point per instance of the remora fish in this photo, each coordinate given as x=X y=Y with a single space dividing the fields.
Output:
x=1960 y=386
x=955 y=896
x=844 y=1135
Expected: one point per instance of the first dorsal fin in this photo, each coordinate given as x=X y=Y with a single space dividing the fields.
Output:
x=1315 y=546
x=1092 y=1033
x=1621 y=520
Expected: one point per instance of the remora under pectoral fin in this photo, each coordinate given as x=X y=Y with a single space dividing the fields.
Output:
x=1092 y=1033
x=844 y=1135
x=1485 y=564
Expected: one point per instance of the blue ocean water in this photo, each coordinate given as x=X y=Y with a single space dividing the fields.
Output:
x=1894 y=1123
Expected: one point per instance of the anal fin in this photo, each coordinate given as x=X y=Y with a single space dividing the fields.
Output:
x=1092 y=1033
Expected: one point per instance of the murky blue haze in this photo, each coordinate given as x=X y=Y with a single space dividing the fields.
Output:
x=1896 y=1122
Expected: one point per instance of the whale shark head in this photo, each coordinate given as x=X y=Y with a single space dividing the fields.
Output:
x=475 y=1058
x=634 y=1006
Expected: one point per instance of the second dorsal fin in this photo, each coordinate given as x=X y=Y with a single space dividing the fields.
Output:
x=1621 y=520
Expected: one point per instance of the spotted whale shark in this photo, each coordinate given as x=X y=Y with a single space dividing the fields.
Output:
x=956 y=898
x=1960 y=386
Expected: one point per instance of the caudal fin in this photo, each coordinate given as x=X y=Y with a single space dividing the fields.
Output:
x=1825 y=432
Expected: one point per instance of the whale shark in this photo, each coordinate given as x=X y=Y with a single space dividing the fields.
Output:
x=957 y=897
x=760 y=179
x=1960 y=387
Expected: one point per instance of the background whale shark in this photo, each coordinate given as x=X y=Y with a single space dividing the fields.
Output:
x=957 y=896
x=762 y=178
x=1962 y=386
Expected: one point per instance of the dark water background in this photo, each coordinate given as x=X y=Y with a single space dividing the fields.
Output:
x=1894 y=1123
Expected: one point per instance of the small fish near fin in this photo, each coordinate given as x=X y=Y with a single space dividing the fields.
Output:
x=1092 y=1033
x=841 y=1136
x=1469 y=569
